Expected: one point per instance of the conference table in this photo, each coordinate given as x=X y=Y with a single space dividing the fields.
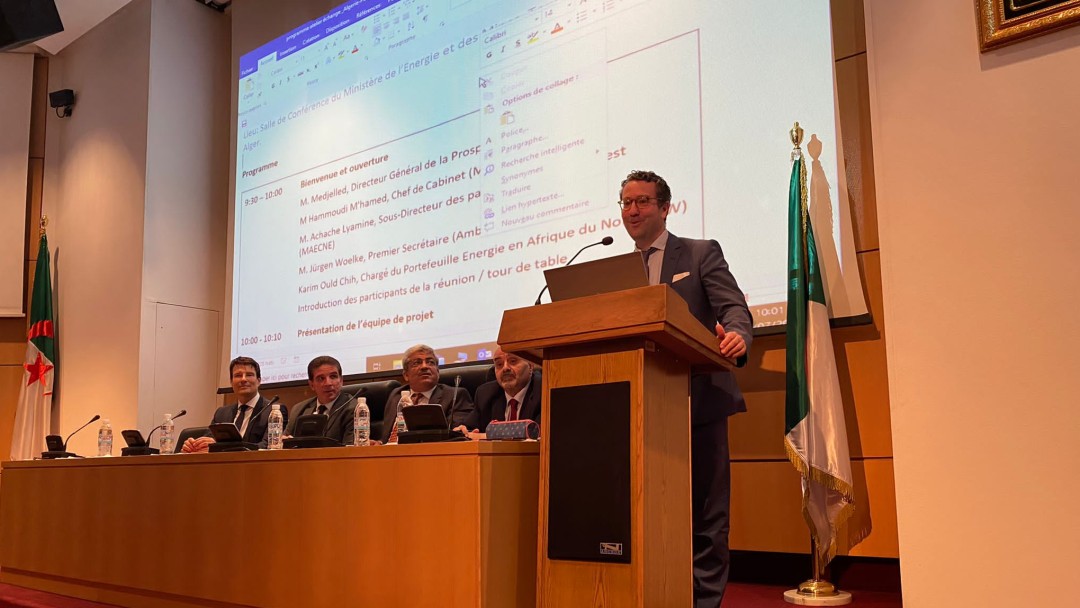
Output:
x=446 y=524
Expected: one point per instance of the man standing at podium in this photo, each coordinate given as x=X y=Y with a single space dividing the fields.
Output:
x=697 y=271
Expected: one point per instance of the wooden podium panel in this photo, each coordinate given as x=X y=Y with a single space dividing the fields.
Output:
x=450 y=524
x=660 y=571
x=645 y=338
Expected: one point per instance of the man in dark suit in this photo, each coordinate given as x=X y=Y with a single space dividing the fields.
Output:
x=697 y=271
x=514 y=395
x=325 y=379
x=250 y=413
x=420 y=367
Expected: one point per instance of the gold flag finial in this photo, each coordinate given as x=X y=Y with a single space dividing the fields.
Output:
x=796 y=134
x=44 y=223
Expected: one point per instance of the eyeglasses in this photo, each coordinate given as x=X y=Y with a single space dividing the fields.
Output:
x=641 y=202
x=418 y=362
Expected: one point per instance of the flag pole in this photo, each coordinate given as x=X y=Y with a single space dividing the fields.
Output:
x=817 y=591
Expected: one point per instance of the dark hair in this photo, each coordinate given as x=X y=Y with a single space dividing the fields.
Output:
x=320 y=361
x=663 y=192
x=245 y=361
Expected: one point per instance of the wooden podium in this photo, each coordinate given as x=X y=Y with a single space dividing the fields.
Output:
x=614 y=520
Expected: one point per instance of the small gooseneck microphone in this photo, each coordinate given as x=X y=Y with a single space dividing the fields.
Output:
x=59 y=450
x=607 y=240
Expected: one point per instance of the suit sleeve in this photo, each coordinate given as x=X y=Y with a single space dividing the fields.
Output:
x=725 y=296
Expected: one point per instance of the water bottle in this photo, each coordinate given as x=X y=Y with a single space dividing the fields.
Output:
x=273 y=428
x=104 y=439
x=361 y=423
x=399 y=424
x=166 y=437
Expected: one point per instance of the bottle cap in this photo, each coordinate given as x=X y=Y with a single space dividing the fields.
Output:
x=276 y=407
x=363 y=400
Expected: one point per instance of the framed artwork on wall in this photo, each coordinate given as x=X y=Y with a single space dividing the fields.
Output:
x=1004 y=22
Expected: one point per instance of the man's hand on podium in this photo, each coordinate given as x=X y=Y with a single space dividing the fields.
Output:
x=731 y=344
x=197 y=445
x=474 y=434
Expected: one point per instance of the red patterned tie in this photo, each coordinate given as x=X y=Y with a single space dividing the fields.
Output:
x=512 y=410
x=416 y=397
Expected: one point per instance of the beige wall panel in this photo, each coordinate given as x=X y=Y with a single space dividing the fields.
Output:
x=849 y=28
x=853 y=98
x=766 y=508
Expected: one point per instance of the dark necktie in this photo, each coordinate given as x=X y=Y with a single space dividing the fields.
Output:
x=512 y=410
x=241 y=412
x=645 y=260
x=321 y=410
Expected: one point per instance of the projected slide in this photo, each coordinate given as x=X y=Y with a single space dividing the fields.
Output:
x=406 y=170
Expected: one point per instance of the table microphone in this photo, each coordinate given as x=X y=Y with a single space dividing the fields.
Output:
x=162 y=425
x=51 y=442
x=607 y=240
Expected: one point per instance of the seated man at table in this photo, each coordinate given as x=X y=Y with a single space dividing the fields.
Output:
x=250 y=413
x=514 y=395
x=325 y=379
x=420 y=367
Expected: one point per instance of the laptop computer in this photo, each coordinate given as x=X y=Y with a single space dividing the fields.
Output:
x=427 y=423
x=616 y=273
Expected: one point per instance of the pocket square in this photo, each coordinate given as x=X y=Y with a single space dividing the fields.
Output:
x=679 y=277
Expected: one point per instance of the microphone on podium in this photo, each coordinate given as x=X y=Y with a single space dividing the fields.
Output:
x=607 y=240
x=137 y=446
x=58 y=449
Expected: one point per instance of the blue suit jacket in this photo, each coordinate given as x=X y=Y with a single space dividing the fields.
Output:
x=712 y=295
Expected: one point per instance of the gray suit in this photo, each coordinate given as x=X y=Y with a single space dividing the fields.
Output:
x=339 y=427
x=712 y=295
x=442 y=395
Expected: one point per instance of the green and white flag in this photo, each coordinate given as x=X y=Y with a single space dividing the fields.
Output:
x=815 y=435
x=35 y=397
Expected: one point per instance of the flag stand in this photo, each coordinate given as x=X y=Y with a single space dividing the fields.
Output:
x=816 y=591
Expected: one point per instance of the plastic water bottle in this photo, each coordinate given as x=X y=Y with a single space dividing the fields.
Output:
x=104 y=439
x=399 y=424
x=274 y=428
x=403 y=402
x=166 y=437
x=361 y=423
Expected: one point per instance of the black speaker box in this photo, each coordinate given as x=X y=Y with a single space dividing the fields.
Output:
x=589 y=473
x=25 y=21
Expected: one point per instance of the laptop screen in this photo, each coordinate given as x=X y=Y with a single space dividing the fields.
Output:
x=599 y=276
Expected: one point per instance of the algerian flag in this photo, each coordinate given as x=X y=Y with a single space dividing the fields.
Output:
x=816 y=439
x=35 y=397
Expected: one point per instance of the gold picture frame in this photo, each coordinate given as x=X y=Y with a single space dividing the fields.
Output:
x=1004 y=22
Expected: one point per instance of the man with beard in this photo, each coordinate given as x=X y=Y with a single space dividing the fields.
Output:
x=514 y=395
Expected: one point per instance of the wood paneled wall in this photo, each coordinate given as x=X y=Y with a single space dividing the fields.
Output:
x=766 y=499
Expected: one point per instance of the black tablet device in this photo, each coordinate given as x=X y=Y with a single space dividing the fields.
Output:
x=225 y=432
